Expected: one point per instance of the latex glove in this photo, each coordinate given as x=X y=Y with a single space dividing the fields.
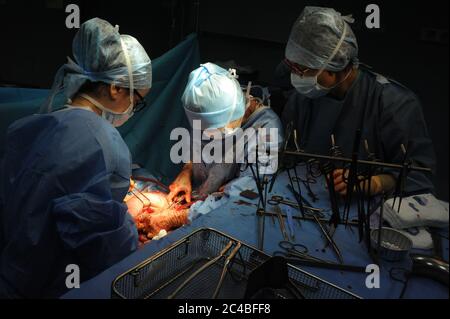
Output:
x=182 y=185
x=340 y=186
x=132 y=185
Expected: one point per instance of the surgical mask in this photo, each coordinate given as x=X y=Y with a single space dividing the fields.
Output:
x=116 y=119
x=310 y=87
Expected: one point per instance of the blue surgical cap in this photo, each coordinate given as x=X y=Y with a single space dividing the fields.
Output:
x=315 y=36
x=102 y=54
x=213 y=96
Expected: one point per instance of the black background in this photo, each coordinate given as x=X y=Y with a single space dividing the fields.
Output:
x=411 y=46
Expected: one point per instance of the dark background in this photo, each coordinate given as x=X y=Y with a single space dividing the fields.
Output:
x=411 y=46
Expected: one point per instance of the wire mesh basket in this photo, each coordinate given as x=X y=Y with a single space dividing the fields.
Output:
x=161 y=275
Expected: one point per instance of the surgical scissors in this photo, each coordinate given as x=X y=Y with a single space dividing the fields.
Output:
x=277 y=200
x=307 y=183
x=298 y=254
x=291 y=250
x=309 y=180
x=316 y=216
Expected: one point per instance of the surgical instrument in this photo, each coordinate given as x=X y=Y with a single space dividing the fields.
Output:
x=298 y=254
x=290 y=222
x=308 y=218
x=277 y=200
x=201 y=269
x=315 y=217
x=224 y=270
x=325 y=265
x=307 y=183
x=281 y=222
x=401 y=178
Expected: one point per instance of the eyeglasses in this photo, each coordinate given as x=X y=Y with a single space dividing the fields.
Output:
x=295 y=68
x=141 y=104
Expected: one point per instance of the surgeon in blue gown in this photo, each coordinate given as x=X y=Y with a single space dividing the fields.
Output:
x=335 y=95
x=66 y=172
x=214 y=99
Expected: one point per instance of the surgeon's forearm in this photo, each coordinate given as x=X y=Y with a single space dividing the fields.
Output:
x=186 y=172
x=209 y=187
x=218 y=176
x=187 y=169
x=378 y=184
x=387 y=182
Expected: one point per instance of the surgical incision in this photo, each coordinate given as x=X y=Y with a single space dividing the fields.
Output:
x=152 y=213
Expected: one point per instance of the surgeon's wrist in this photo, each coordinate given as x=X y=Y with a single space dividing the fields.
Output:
x=186 y=172
x=387 y=182
x=376 y=185
x=372 y=187
x=188 y=167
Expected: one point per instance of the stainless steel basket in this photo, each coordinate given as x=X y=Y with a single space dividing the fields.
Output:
x=394 y=245
x=159 y=276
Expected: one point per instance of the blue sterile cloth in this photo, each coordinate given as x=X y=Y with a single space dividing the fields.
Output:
x=240 y=222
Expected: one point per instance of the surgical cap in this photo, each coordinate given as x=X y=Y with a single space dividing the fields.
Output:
x=102 y=54
x=315 y=36
x=213 y=96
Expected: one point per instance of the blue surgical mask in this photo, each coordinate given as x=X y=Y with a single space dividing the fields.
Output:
x=116 y=119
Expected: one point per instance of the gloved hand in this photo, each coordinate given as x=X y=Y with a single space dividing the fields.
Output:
x=132 y=185
x=182 y=184
x=378 y=183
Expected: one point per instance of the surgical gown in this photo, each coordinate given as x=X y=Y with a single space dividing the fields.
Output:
x=208 y=178
x=388 y=115
x=64 y=177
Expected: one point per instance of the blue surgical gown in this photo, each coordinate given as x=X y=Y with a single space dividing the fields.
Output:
x=64 y=178
x=388 y=115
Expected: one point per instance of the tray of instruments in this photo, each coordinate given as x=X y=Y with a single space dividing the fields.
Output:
x=209 y=264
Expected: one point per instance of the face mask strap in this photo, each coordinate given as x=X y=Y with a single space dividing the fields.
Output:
x=99 y=105
x=247 y=95
x=233 y=77
x=336 y=85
